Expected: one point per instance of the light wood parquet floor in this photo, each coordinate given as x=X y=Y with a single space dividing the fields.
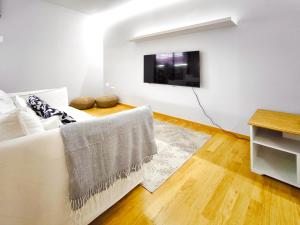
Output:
x=214 y=187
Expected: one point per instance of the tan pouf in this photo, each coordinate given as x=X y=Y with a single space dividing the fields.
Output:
x=83 y=103
x=107 y=101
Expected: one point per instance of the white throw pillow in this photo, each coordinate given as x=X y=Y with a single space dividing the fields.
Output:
x=54 y=97
x=18 y=123
x=30 y=122
x=51 y=123
x=6 y=103
x=20 y=102
x=47 y=124
x=10 y=126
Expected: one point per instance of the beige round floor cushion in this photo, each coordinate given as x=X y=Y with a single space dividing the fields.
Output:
x=83 y=103
x=107 y=101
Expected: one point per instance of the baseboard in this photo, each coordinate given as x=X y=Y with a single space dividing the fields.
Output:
x=196 y=123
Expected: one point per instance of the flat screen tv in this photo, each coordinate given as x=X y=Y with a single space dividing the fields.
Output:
x=178 y=68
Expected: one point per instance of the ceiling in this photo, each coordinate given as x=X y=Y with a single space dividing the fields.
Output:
x=88 y=6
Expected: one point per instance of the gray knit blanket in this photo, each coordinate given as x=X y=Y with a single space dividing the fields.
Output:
x=102 y=150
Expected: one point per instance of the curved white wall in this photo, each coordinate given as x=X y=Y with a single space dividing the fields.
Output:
x=48 y=46
x=254 y=65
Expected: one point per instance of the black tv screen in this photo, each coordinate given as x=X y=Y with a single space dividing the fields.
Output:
x=181 y=68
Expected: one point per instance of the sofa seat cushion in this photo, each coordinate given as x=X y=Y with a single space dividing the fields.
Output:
x=107 y=101
x=77 y=114
x=83 y=103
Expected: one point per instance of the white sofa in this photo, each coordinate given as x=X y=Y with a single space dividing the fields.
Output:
x=34 y=180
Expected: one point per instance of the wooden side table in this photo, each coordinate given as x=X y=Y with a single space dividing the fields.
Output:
x=275 y=145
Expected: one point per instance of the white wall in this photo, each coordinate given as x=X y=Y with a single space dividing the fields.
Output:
x=47 y=46
x=254 y=65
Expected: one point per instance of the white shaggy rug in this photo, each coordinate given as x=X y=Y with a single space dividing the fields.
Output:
x=175 y=146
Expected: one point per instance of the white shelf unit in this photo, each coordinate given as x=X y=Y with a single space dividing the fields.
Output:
x=203 y=26
x=274 y=155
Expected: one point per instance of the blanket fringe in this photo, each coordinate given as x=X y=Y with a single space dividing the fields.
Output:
x=78 y=203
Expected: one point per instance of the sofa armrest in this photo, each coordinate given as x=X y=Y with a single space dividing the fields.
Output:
x=34 y=178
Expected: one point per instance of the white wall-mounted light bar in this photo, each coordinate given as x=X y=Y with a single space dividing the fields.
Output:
x=1 y=39
x=203 y=26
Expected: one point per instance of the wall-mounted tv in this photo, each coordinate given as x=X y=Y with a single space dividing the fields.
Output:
x=178 y=68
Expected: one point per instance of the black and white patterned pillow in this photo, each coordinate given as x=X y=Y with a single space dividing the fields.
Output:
x=44 y=110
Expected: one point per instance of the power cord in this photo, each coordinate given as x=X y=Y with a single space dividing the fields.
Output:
x=211 y=119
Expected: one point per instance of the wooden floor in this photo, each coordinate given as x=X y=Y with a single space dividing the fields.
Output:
x=214 y=187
